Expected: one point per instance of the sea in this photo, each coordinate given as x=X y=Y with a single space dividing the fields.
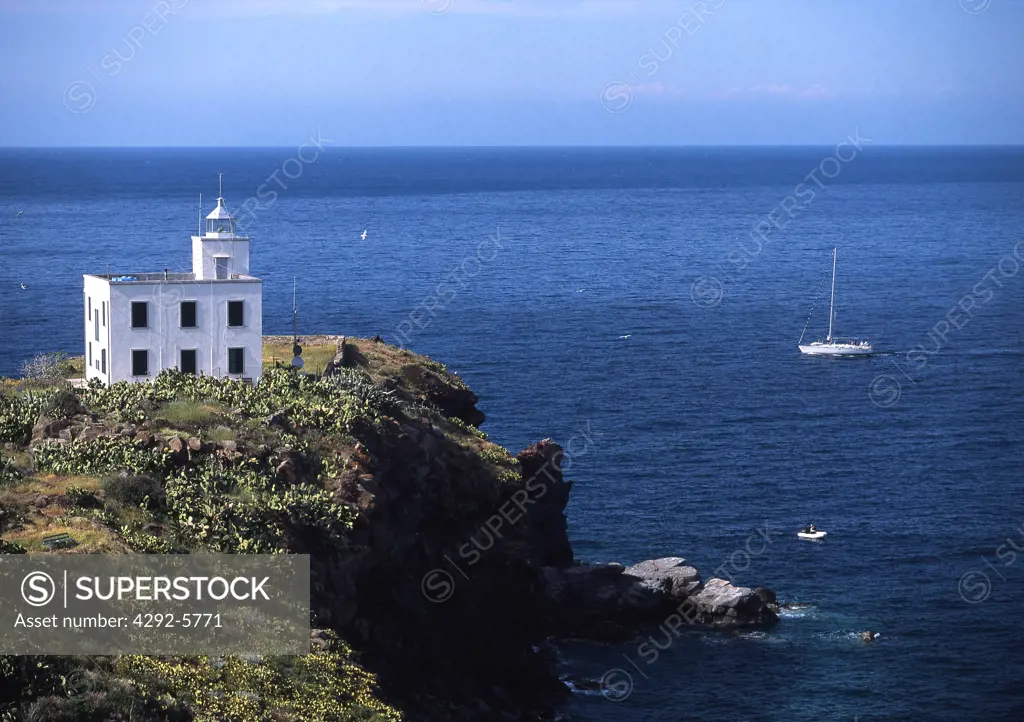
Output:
x=643 y=307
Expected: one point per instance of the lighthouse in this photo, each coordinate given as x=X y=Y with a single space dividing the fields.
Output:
x=209 y=321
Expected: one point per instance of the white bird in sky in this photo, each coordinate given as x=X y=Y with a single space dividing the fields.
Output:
x=581 y=290
x=19 y=213
x=626 y=336
x=363 y=236
x=23 y=287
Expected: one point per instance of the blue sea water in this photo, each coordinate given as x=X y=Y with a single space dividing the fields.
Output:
x=706 y=426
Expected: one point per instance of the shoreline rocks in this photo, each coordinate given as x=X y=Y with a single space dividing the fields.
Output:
x=608 y=601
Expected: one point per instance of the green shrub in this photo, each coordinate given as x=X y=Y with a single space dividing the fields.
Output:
x=18 y=414
x=49 y=368
x=9 y=473
x=497 y=455
x=323 y=687
x=13 y=513
x=134 y=490
x=62 y=405
x=77 y=496
x=99 y=455
x=7 y=547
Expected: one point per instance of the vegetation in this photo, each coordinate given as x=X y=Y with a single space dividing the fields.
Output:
x=18 y=414
x=9 y=472
x=51 y=369
x=189 y=463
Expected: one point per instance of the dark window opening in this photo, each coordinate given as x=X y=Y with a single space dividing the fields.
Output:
x=104 y=314
x=188 y=314
x=236 y=313
x=140 y=362
x=103 y=360
x=90 y=353
x=96 y=323
x=221 y=267
x=140 y=314
x=236 y=360
x=188 y=361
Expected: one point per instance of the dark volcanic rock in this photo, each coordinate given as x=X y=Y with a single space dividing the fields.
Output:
x=455 y=401
x=48 y=428
x=609 y=601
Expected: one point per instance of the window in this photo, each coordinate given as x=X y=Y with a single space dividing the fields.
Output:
x=188 y=314
x=140 y=362
x=90 y=353
x=104 y=314
x=103 y=360
x=236 y=313
x=96 y=323
x=140 y=314
x=88 y=307
x=188 y=361
x=222 y=266
x=236 y=360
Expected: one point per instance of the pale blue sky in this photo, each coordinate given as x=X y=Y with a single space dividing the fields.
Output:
x=510 y=72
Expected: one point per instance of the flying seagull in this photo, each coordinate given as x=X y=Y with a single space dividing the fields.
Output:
x=23 y=287
x=363 y=236
x=581 y=290
x=626 y=336
x=19 y=213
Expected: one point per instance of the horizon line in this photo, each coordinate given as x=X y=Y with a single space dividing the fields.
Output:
x=592 y=146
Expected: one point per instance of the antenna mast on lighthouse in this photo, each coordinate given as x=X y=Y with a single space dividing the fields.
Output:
x=297 y=361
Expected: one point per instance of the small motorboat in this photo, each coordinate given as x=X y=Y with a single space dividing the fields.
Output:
x=811 y=533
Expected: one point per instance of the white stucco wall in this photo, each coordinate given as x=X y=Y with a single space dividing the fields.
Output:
x=164 y=338
x=97 y=297
x=205 y=249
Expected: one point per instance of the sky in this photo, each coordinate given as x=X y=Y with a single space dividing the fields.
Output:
x=509 y=72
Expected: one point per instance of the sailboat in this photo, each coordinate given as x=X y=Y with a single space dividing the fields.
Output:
x=831 y=347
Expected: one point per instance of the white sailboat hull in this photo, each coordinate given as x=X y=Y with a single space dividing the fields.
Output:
x=836 y=349
x=828 y=347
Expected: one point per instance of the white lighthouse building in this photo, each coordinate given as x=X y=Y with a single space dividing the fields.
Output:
x=209 y=321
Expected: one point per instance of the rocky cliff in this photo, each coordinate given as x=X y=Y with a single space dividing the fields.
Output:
x=452 y=568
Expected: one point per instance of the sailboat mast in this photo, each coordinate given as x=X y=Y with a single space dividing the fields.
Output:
x=832 y=300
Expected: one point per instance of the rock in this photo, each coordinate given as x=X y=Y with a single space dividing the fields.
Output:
x=144 y=437
x=607 y=601
x=230 y=446
x=669 y=575
x=321 y=640
x=278 y=419
x=194 y=444
x=292 y=467
x=92 y=431
x=178 y=449
x=767 y=596
x=454 y=401
x=868 y=636
x=721 y=604
x=65 y=435
x=47 y=428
